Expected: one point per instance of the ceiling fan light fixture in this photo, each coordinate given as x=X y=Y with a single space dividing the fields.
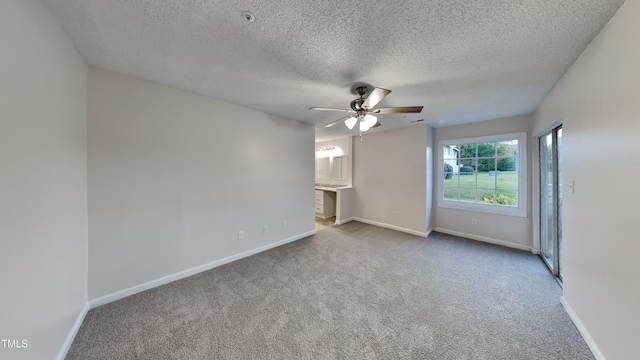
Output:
x=351 y=122
x=363 y=126
x=370 y=120
x=362 y=108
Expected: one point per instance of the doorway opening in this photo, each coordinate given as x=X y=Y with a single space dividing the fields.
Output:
x=325 y=223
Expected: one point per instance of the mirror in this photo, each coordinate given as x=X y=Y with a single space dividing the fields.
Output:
x=340 y=167
x=323 y=168
x=337 y=168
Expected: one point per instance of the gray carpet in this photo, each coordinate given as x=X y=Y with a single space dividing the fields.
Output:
x=352 y=291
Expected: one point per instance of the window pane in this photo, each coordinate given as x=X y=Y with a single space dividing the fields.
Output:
x=507 y=163
x=500 y=197
x=486 y=181
x=450 y=152
x=451 y=193
x=507 y=148
x=467 y=151
x=468 y=181
x=486 y=149
x=449 y=168
x=448 y=175
x=468 y=194
x=507 y=180
x=507 y=197
x=467 y=166
x=486 y=165
x=486 y=196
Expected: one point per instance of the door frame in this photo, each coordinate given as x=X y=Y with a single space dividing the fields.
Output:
x=537 y=193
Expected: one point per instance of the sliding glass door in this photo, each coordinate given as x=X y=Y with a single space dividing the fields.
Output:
x=551 y=200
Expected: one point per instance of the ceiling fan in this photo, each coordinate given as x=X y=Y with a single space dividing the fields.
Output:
x=362 y=109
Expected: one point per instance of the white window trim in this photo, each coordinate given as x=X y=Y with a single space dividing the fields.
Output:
x=521 y=209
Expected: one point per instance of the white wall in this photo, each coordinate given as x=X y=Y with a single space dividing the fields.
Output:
x=345 y=205
x=173 y=177
x=43 y=193
x=598 y=103
x=506 y=230
x=389 y=170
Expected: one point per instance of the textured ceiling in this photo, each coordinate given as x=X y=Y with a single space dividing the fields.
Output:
x=464 y=61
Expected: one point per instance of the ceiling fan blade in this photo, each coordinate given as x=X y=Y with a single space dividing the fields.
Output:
x=399 y=110
x=330 y=109
x=376 y=124
x=337 y=121
x=375 y=97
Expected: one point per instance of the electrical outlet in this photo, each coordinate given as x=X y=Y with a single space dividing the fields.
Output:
x=474 y=221
x=284 y=224
x=395 y=213
x=240 y=235
x=265 y=229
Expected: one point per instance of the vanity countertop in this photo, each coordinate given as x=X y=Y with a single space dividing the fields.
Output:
x=333 y=188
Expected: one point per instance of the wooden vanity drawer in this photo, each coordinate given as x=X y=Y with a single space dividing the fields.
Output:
x=325 y=203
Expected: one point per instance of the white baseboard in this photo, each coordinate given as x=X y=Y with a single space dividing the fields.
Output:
x=345 y=221
x=73 y=332
x=189 y=272
x=392 y=227
x=484 y=239
x=583 y=331
x=384 y=225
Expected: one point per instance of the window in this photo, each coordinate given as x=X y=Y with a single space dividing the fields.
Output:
x=486 y=174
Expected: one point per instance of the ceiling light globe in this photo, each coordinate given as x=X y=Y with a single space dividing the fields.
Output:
x=370 y=120
x=351 y=122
